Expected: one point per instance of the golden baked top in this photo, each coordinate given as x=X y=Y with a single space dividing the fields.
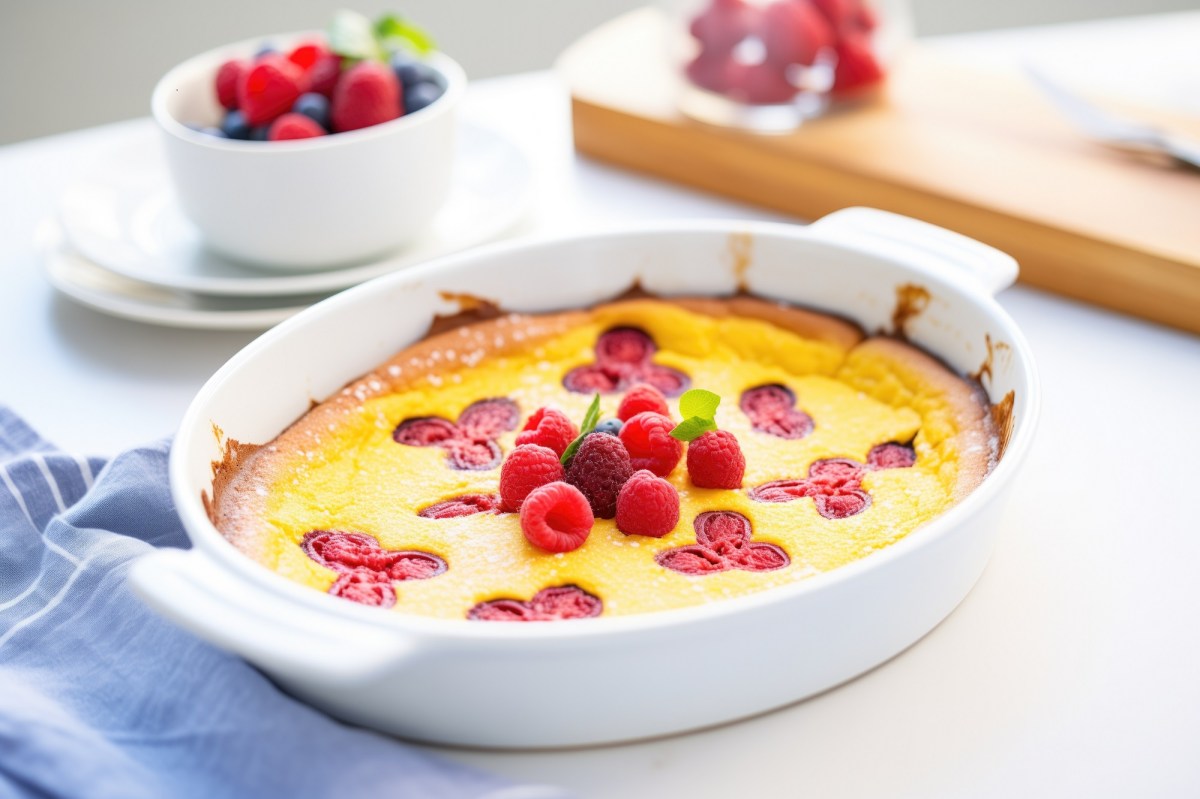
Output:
x=388 y=492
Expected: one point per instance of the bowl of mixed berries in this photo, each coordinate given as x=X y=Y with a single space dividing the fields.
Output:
x=312 y=150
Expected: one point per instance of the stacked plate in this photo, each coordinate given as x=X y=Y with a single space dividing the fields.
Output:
x=121 y=245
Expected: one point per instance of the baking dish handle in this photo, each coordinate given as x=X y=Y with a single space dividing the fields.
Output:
x=188 y=588
x=988 y=267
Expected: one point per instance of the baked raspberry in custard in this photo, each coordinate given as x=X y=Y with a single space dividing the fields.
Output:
x=388 y=493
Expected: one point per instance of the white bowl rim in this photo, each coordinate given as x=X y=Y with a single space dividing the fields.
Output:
x=207 y=539
x=456 y=82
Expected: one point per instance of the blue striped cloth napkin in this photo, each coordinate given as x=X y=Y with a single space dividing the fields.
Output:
x=101 y=698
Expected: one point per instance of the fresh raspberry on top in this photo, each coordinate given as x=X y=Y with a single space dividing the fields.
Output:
x=527 y=467
x=367 y=95
x=549 y=427
x=268 y=89
x=599 y=468
x=715 y=460
x=294 y=126
x=556 y=517
x=229 y=75
x=647 y=438
x=647 y=505
x=640 y=398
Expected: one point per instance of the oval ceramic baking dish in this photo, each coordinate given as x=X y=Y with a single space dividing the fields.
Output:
x=568 y=683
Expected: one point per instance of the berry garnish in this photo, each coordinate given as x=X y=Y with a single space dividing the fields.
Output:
x=269 y=88
x=465 y=505
x=610 y=427
x=306 y=54
x=548 y=427
x=772 y=410
x=647 y=505
x=556 y=517
x=550 y=604
x=527 y=467
x=723 y=543
x=229 y=77
x=599 y=468
x=368 y=94
x=294 y=126
x=642 y=397
x=647 y=438
x=715 y=460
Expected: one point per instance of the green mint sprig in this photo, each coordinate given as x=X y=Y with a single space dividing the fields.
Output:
x=699 y=411
x=391 y=29
x=355 y=38
x=589 y=424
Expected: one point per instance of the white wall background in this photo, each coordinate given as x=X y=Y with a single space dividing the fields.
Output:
x=67 y=64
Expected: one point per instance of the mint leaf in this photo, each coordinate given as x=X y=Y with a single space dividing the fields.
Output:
x=698 y=402
x=390 y=28
x=692 y=428
x=351 y=35
x=589 y=424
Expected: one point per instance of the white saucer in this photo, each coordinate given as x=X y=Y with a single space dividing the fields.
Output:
x=97 y=288
x=125 y=218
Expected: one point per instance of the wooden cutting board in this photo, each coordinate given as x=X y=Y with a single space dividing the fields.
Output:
x=980 y=153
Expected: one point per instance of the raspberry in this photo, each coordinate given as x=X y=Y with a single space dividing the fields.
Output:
x=647 y=438
x=857 y=67
x=642 y=397
x=794 y=32
x=550 y=604
x=294 y=126
x=229 y=75
x=307 y=54
x=268 y=89
x=647 y=505
x=549 y=428
x=527 y=467
x=599 y=468
x=891 y=456
x=714 y=460
x=323 y=75
x=366 y=95
x=465 y=505
x=556 y=517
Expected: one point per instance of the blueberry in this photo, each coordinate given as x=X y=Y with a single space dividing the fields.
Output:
x=259 y=133
x=220 y=134
x=235 y=125
x=315 y=107
x=265 y=50
x=610 y=426
x=420 y=95
x=410 y=71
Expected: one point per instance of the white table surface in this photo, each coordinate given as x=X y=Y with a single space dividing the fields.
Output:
x=1072 y=669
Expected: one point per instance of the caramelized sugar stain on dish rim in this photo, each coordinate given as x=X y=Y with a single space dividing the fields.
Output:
x=911 y=301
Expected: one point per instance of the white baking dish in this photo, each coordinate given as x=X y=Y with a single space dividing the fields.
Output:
x=605 y=679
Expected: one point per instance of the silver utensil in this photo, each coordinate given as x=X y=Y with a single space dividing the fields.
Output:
x=1113 y=130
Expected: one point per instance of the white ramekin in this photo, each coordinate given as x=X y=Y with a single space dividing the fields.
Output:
x=309 y=203
x=604 y=679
